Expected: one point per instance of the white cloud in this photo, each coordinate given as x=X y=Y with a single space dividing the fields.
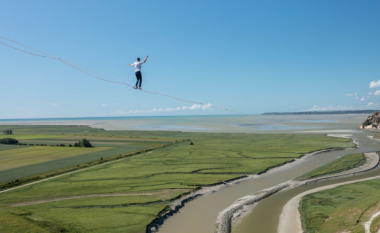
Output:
x=330 y=108
x=362 y=99
x=377 y=92
x=104 y=105
x=374 y=84
x=54 y=104
x=369 y=93
x=356 y=97
x=341 y=108
x=155 y=110
x=355 y=94
x=197 y=106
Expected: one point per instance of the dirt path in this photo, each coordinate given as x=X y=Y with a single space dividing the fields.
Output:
x=290 y=218
x=223 y=221
x=287 y=220
x=54 y=177
x=367 y=225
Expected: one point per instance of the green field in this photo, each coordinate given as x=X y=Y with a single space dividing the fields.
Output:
x=342 y=209
x=343 y=163
x=37 y=154
x=14 y=220
x=29 y=136
x=22 y=161
x=151 y=180
x=8 y=147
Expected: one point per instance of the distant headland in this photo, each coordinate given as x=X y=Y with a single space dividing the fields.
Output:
x=322 y=112
x=372 y=122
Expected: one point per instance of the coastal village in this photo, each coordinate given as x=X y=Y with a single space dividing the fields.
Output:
x=372 y=122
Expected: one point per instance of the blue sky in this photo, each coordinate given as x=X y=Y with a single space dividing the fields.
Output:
x=248 y=56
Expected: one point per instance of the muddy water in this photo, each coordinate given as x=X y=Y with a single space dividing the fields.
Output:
x=269 y=210
x=200 y=215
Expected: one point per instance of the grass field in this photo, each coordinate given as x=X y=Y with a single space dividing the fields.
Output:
x=14 y=220
x=375 y=226
x=172 y=170
x=37 y=154
x=342 y=209
x=29 y=136
x=132 y=218
x=343 y=163
x=9 y=147
x=21 y=161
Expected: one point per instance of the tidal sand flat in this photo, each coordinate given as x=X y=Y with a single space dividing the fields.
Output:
x=213 y=158
x=205 y=209
x=135 y=191
x=226 y=124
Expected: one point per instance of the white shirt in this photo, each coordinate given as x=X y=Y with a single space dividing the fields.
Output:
x=137 y=65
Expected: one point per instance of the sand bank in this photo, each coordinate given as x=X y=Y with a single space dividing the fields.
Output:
x=290 y=218
x=373 y=138
x=330 y=131
x=239 y=208
x=242 y=202
x=223 y=222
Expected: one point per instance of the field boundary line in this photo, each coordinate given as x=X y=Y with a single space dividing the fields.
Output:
x=71 y=169
x=50 y=178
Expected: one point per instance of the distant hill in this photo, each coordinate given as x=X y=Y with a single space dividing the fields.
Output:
x=322 y=112
x=372 y=122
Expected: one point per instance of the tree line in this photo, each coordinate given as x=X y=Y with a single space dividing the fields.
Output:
x=8 y=131
x=11 y=141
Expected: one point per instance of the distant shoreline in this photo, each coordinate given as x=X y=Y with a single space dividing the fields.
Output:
x=322 y=112
x=110 y=117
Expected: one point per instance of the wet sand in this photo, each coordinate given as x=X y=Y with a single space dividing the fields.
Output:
x=223 y=223
x=226 y=124
x=200 y=214
x=270 y=209
x=290 y=218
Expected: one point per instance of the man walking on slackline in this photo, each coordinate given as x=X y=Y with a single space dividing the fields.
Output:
x=137 y=66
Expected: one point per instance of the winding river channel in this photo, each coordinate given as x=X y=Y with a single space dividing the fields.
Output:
x=200 y=214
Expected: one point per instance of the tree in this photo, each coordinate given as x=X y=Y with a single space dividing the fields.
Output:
x=83 y=143
x=8 y=131
x=10 y=141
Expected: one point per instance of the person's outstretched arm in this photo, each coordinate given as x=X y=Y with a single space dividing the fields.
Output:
x=130 y=65
x=146 y=59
